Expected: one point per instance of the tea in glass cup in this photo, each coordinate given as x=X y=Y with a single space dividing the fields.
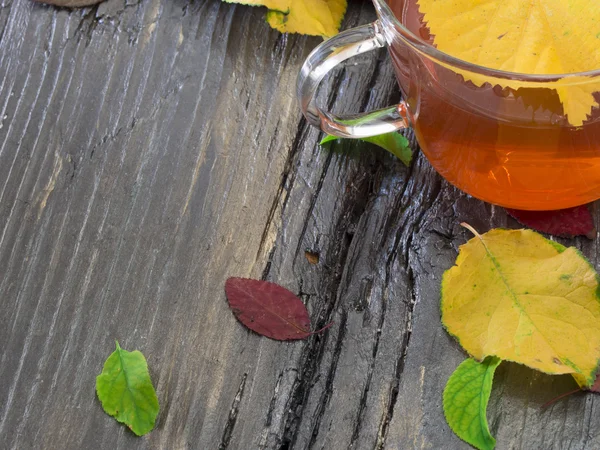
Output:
x=502 y=137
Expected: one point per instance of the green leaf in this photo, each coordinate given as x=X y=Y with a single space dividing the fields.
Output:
x=395 y=143
x=466 y=398
x=126 y=392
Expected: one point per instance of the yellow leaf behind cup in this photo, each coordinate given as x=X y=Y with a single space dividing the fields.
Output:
x=518 y=296
x=312 y=17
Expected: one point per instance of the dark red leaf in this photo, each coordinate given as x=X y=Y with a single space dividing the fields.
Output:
x=563 y=222
x=268 y=309
x=596 y=386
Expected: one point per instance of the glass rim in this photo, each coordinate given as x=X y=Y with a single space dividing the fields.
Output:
x=388 y=18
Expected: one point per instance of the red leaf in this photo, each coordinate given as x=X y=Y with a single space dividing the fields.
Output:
x=562 y=222
x=268 y=309
x=596 y=386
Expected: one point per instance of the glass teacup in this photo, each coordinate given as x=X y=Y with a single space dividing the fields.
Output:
x=502 y=137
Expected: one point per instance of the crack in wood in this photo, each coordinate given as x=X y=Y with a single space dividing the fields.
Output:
x=316 y=420
x=287 y=174
x=364 y=396
x=313 y=202
x=269 y=417
x=403 y=235
x=233 y=415
x=86 y=26
x=355 y=207
x=400 y=362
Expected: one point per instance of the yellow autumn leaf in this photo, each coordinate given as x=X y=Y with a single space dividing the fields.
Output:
x=518 y=296
x=532 y=37
x=312 y=17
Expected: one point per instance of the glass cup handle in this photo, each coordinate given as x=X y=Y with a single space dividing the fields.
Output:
x=327 y=56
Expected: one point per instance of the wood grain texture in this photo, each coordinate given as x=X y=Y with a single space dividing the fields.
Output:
x=148 y=151
x=70 y=3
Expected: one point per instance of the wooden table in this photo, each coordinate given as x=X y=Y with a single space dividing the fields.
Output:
x=150 y=150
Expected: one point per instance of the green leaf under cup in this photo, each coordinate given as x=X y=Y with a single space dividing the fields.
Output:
x=395 y=143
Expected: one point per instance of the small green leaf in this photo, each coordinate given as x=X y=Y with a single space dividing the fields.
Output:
x=466 y=398
x=126 y=392
x=395 y=143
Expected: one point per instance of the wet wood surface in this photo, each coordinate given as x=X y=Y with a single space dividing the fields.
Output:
x=148 y=151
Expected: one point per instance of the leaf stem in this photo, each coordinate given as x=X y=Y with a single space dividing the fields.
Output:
x=561 y=396
x=323 y=329
x=470 y=228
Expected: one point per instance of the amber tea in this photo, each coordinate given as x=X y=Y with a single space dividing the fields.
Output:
x=508 y=147
x=525 y=141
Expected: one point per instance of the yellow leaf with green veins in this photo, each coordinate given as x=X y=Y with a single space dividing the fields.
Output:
x=531 y=37
x=312 y=17
x=523 y=298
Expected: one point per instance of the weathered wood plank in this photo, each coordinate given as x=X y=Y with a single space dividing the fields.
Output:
x=149 y=151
